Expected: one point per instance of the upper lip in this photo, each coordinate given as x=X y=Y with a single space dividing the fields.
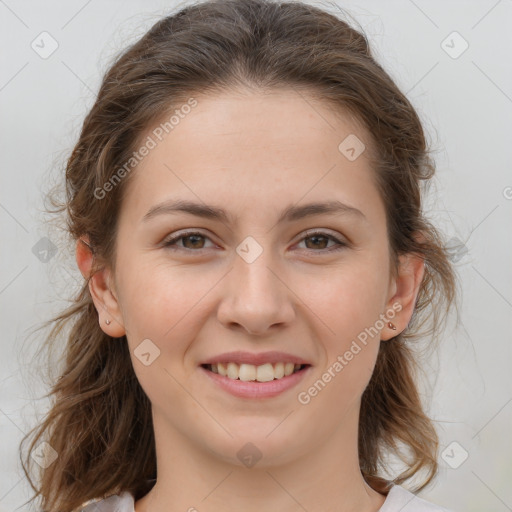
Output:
x=241 y=357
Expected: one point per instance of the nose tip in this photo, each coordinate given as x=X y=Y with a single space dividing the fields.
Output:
x=251 y=332
x=259 y=326
x=254 y=299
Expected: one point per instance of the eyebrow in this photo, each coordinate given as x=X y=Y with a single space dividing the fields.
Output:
x=290 y=214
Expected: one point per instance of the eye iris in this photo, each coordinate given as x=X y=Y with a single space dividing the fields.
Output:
x=192 y=237
x=317 y=237
x=191 y=241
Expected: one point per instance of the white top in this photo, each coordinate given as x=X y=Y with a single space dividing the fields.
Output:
x=397 y=500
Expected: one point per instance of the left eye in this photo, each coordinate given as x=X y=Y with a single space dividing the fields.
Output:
x=319 y=239
x=319 y=235
x=194 y=236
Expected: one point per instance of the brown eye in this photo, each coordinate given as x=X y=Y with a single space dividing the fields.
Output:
x=195 y=241
x=190 y=241
x=319 y=241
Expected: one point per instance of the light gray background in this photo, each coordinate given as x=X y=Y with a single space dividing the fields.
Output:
x=466 y=105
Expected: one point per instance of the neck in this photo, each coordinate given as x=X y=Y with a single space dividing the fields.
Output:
x=323 y=477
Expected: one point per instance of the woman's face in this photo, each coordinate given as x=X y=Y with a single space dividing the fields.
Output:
x=255 y=281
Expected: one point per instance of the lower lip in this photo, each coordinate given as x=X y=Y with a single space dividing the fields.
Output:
x=253 y=389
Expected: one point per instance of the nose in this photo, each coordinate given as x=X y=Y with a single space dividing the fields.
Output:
x=256 y=296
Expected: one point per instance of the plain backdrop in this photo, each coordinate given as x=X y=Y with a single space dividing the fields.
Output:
x=452 y=59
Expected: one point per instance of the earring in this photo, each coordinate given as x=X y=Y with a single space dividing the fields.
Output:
x=391 y=326
x=107 y=321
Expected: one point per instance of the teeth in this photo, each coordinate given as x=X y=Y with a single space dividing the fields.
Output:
x=233 y=370
x=279 y=370
x=249 y=372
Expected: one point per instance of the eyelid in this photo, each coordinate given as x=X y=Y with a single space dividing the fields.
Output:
x=341 y=242
x=174 y=237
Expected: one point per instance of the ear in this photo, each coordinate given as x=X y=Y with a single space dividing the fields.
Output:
x=102 y=293
x=404 y=291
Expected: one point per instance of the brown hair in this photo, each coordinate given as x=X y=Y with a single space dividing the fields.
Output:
x=100 y=421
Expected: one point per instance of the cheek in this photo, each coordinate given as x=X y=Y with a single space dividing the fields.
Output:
x=351 y=311
x=162 y=304
x=158 y=297
x=348 y=299
x=349 y=305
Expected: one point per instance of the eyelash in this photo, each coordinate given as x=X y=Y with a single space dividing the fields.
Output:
x=171 y=243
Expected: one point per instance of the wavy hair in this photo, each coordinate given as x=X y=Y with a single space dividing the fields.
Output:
x=99 y=422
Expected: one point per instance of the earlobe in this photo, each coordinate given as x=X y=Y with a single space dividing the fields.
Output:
x=105 y=301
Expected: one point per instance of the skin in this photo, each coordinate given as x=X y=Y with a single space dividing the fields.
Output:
x=253 y=154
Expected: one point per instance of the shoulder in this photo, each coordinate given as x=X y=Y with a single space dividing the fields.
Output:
x=122 y=502
x=400 y=499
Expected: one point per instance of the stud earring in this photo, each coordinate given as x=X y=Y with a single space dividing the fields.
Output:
x=107 y=321
x=391 y=326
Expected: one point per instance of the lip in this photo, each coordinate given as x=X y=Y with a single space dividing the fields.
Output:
x=253 y=389
x=241 y=357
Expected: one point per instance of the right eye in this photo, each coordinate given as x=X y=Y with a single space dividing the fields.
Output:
x=193 y=238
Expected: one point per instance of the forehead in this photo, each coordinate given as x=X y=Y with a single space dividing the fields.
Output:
x=288 y=117
x=268 y=146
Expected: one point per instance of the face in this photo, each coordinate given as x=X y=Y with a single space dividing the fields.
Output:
x=308 y=285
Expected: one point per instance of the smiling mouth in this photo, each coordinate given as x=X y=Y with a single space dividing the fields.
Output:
x=250 y=373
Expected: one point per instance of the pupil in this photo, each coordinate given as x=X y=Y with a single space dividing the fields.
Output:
x=315 y=237
x=196 y=237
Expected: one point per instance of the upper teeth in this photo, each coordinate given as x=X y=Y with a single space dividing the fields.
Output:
x=263 y=373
